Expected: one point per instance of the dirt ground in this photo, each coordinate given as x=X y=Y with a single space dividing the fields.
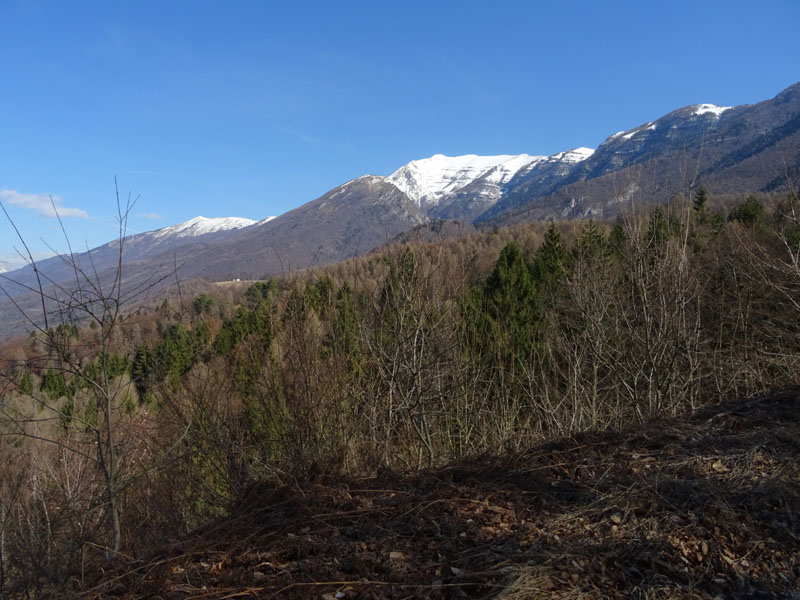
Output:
x=706 y=506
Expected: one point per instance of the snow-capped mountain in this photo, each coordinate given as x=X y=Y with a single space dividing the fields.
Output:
x=203 y=225
x=199 y=230
x=6 y=266
x=428 y=180
x=463 y=187
x=174 y=245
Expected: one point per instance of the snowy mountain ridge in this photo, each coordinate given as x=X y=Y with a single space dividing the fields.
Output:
x=203 y=225
x=427 y=181
x=684 y=116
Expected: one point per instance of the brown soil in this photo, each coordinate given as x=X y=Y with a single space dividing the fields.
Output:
x=706 y=506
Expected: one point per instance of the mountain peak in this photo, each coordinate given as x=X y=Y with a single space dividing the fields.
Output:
x=202 y=225
x=572 y=156
x=428 y=180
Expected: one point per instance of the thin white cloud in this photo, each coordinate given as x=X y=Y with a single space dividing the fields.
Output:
x=313 y=141
x=153 y=216
x=45 y=206
x=303 y=137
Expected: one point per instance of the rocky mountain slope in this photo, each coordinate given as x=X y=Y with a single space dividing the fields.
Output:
x=741 y=149
x=350 y=220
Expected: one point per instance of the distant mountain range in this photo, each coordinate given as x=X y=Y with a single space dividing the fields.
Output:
x=739 y=149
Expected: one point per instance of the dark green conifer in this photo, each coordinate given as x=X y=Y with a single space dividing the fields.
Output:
x=590 y=243
x=700 y=202
x=749 y=213
x=510 y=299
x=617 y=238
x=658 y=230
x=551 y=261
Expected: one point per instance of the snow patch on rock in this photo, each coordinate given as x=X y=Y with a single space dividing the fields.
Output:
x=703 y=109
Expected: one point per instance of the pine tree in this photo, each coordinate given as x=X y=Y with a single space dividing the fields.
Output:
x=590 y=243
x=344 y=329
x=658 y=230
x=706 y=223
x=551 y=260
x=700 y=202
x=510 y=300
x=617 y=238
x=749 y=213
x=203 y=304
x=141 y=371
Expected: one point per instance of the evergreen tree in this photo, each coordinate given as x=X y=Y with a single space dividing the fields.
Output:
x=344 y=330
x=26 y=383
x=706 y=223
x=617 y=238
x=323 y=291
x=142 y=370
x=54 y=385
x=201 y=339
x=174 y=355
x=700 y=202
x=203 y=304
x=749 y=213
x=658 y=230
x=255 y=294
x=233 y=331
x=590 y=243
x=510 y=300
x=262 y=320
x=551 y=261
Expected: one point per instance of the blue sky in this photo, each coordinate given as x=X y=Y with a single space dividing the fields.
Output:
x=252 y=108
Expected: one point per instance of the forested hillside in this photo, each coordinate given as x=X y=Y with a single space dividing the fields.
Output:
x=127 y=425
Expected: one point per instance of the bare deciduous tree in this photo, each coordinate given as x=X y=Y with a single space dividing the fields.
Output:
x=79 y=422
